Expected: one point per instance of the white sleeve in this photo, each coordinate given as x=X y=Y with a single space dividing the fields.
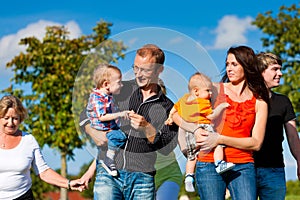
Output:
x=38 y=164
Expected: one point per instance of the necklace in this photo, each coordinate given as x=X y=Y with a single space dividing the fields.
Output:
x=3 y=142
x=8 y=141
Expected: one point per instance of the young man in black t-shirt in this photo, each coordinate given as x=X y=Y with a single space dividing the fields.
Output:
x=271 y=183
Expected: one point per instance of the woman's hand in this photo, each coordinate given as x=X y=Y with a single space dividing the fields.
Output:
x=77 y=185
x=205 y=140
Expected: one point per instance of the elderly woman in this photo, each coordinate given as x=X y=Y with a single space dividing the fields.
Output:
x=18 y=152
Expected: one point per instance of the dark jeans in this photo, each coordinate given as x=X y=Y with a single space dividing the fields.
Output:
x=27 y=196
x=271 y=183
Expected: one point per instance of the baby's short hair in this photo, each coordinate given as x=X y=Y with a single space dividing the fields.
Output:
x=197 y=80
x=103 y=73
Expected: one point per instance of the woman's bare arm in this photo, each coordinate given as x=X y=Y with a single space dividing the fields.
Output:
x=248 y=143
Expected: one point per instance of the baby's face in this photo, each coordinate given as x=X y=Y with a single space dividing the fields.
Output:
x=115 y=83
x=205 y=92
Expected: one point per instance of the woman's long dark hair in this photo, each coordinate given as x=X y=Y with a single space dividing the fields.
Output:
x=253 y=77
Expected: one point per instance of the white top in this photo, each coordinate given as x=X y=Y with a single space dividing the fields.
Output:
x=15 y=167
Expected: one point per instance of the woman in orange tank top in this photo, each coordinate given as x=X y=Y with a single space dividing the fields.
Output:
x=241 y=129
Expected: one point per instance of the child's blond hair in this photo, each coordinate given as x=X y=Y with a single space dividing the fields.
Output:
x=103 y=73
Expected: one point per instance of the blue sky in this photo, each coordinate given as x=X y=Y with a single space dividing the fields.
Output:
x=214 y=25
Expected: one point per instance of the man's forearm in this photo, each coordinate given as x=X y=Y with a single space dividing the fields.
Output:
x=99 y=137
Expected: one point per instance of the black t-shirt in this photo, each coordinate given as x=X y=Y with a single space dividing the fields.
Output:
x=280 y=112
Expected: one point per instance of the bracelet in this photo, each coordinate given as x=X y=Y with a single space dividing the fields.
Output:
x=69 y=184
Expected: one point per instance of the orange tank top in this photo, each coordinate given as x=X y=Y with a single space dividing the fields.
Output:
x=236 y=121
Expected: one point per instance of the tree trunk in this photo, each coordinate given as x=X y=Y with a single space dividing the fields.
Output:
x=63 y=172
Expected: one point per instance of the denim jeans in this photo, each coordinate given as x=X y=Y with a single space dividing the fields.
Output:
x=128 y=185
x=116 y=139
x=168 y=190
x=240 y=181
x=271 y=183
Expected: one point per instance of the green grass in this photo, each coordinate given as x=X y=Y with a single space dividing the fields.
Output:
x=292 y=197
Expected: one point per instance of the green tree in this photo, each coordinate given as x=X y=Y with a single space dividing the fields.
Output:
x=50 y=67
x=282 y=38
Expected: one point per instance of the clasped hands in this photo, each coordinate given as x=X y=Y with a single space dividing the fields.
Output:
x=78 y=185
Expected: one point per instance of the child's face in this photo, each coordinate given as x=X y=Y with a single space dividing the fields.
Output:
x=204 y=92
x=115 y=83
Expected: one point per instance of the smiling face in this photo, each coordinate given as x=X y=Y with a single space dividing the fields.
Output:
x=146 y=71
x=114 y=83
x=234 y=69
x=10 y=122
x=270 y=68
x=272 y=75
x=12 y=114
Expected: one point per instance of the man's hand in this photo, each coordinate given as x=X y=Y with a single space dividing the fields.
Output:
x=139 y=123
x=125 y=114
x=77 y=185
x=88 y=175
x=99 y=137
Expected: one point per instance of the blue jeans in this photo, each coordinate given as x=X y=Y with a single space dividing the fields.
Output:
x=271 y=183
x=128 y=185
x=168 y=190
x=116 y=139
x=240 y=181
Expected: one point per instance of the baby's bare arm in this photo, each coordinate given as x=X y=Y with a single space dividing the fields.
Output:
x=113 y=116
x=217 y=111
x=170 y=120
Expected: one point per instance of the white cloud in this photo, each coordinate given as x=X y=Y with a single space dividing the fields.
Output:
x=9 y=46
x=231 y=30
x=176 y=40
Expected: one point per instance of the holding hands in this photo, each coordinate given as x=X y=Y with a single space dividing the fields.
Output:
x=77 y=184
